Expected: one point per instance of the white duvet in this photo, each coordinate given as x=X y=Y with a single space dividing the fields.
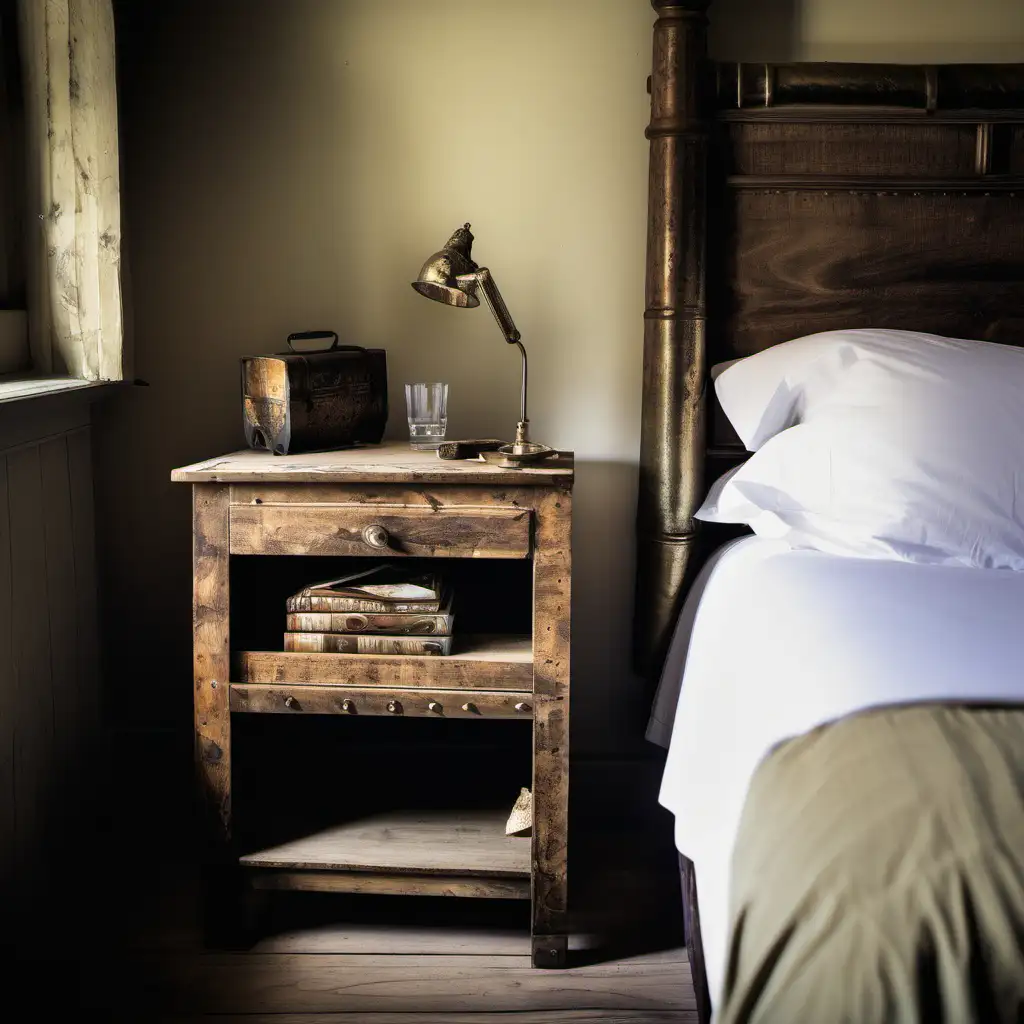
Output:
x=773 y=642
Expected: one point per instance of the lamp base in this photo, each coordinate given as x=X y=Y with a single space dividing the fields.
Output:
x=522 y=451
x=514 y=456
x=526 y=451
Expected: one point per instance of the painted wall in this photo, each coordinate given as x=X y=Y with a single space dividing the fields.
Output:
x=290 y=165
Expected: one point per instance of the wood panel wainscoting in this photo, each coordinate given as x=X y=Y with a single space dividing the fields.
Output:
x=49 y=663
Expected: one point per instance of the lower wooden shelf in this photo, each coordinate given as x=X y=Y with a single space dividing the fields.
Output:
x=435 y=853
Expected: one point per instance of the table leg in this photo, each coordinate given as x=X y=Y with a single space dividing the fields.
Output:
x=212 y=658
x=551 y=627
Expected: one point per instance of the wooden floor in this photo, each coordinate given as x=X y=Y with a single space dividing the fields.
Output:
x=299 y=988
x=342 y=959
x=126 y=948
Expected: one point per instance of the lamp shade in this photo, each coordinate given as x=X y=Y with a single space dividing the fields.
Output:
x=447 y=275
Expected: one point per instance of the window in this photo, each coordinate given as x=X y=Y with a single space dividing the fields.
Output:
x=60 y=208
x=14 y=353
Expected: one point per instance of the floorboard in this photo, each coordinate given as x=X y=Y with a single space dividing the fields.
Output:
x=258 y=983
x=350 y=959
x=434 y=940
x=381 y=960
x=514 y=1017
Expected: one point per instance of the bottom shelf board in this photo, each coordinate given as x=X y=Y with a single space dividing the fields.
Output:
x=395 y=884
x=466 y=844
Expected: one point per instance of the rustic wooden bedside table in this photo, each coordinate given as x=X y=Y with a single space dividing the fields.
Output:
x=255 y=504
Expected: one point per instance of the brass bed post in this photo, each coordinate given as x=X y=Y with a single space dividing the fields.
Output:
x=672 y=431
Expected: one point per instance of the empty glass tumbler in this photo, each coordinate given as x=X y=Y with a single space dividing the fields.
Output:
x=427 y=405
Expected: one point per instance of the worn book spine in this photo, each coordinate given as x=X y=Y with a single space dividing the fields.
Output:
x=328 y=603
x=348 y=643
x=407 y=624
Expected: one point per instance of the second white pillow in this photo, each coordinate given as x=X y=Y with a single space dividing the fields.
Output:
x=903 y=446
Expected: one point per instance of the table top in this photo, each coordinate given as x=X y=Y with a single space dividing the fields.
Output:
x=390 y=462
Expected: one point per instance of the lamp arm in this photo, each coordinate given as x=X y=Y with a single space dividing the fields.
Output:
x=523 y=418
x=498 y=307
x=507 y=325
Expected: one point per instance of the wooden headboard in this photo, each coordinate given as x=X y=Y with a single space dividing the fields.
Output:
x=792 y=198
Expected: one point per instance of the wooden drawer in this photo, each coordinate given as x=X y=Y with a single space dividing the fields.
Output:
x=390 y=702
x=292 y=528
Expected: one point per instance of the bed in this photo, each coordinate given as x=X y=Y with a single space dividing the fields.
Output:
x=787 y=200
x=917 y=664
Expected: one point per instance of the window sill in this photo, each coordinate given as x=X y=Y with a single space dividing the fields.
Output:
x=16 y=388
x=34 y=408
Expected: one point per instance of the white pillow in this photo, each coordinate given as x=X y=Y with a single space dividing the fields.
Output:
x=902 y=446
x=768 y=392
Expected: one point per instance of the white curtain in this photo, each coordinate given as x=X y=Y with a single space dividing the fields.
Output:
x=73 y=234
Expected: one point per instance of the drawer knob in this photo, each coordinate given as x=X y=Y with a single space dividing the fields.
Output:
x=292 y=704
x=395 y=707
x=435 y=707
x=377 y=537
x=348 y=707
x=522 y=706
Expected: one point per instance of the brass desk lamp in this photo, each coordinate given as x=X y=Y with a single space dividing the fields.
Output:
x=450 y=276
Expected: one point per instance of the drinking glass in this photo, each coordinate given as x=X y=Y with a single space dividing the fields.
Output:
x=427 y=405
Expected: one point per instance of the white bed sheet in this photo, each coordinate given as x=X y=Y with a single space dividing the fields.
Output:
x=773 y=642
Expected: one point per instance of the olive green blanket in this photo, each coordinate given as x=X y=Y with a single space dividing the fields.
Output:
x=878 y=876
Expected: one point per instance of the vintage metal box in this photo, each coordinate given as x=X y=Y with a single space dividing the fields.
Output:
x=313 y=400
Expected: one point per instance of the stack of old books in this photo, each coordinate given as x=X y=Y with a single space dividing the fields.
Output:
x=381 y=610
